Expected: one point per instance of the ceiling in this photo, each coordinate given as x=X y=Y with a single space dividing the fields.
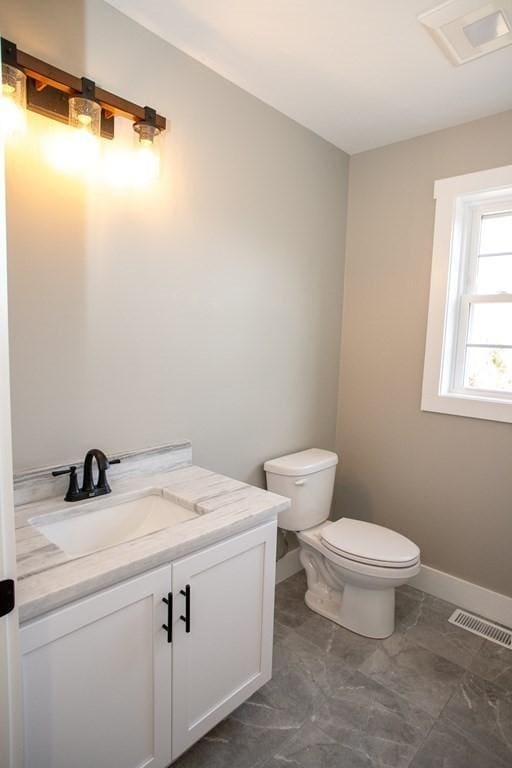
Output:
x=360 y=73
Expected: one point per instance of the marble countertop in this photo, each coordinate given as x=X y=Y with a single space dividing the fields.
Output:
x=49 y=578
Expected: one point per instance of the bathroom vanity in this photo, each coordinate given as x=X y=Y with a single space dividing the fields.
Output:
x=132 y=652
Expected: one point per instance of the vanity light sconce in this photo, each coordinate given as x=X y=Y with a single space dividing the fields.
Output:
x=147 y=128
x=49 y=91
x=84 y=110
x=14 y=81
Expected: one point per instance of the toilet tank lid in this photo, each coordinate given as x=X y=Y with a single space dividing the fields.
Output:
x=302 y=463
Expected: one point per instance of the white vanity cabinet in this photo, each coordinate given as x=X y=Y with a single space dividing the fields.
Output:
x=96 y=680
x=105 y=687
x=227 y=653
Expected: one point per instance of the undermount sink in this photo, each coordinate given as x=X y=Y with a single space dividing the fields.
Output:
x=91 y=530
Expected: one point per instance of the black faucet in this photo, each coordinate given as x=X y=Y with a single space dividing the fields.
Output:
x=89 y=489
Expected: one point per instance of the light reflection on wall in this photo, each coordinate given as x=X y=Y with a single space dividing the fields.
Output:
x=13 y=122
x=122 y=163
x=70 y=151
x=129 y=168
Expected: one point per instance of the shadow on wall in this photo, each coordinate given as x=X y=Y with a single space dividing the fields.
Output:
x=353 y=501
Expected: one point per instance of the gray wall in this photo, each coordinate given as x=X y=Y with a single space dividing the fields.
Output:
x=445 y=481
x=208 y=308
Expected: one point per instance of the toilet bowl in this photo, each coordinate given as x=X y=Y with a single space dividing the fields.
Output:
x=352 y=567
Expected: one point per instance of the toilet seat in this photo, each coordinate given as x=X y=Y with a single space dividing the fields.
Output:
x=358 y=595
x=370 y=544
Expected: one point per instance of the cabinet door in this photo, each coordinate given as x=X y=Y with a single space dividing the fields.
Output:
x=97 y=680
x=227 y=653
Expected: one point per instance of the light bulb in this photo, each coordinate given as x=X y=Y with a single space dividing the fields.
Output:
x=85 y=114
x=84 y=120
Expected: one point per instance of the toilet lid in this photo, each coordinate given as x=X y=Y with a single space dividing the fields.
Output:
x=370 y=543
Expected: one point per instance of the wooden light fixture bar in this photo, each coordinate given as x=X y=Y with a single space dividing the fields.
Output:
x=48 y=89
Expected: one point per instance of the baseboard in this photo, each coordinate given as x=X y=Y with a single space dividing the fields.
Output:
x=465 y=594
x=288 y=565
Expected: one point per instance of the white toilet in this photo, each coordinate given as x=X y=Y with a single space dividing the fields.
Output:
x=352 y=567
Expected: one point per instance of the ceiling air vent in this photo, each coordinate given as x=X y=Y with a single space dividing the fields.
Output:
x=468 y=29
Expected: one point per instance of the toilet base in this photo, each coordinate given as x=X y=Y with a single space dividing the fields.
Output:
x=370 y=613
x=361 y=603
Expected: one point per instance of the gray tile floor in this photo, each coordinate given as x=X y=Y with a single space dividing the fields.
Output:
x=430 y=696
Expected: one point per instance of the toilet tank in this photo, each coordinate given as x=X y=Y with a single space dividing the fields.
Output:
x=307 y=478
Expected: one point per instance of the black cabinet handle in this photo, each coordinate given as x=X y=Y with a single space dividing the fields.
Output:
x=168 y=627
x=186 y=618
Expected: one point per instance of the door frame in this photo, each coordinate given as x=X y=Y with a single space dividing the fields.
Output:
x=11 y=721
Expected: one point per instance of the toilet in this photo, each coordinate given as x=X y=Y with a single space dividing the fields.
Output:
x=352 y=567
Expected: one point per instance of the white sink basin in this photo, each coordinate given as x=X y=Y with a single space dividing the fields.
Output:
x=91 y=530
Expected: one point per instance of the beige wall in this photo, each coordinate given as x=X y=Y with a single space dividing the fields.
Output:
x=208 y=308
x=444 y=481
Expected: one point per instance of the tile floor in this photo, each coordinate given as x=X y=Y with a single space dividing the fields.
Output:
x=430 y=696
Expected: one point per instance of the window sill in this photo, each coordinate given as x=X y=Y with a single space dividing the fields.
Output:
x=471 y=406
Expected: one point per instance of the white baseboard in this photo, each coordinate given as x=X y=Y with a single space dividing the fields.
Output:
x=288 y=565
x=465 y=594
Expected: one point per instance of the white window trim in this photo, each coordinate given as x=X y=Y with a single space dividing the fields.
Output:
x=453 y=198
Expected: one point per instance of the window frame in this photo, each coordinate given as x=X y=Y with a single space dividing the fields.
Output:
x=460 y=203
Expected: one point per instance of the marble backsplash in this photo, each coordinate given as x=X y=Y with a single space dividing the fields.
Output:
x=39 y=484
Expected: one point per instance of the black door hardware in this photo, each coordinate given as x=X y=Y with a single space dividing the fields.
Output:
x=89 y=488
x=7 y=600
x=186 y=618
x=168 y=627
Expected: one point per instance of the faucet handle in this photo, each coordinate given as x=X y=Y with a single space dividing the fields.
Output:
x=102 y=484
x=68 y=471
x=73 y=490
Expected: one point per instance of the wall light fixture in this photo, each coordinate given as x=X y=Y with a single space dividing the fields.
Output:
x=42 y=88
x=147 y=128
x=147 y=159
x=13 y=98
x=84 y=110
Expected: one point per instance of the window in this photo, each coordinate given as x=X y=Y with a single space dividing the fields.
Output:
x=468 y=357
